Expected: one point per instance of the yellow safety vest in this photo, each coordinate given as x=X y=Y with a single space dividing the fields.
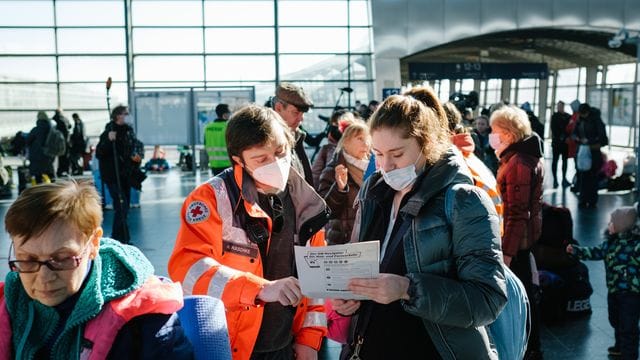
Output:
x=215 y=144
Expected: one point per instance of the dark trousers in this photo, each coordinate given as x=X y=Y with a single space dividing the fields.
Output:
x=557 y=151
x=63 y=165
x=285 y=353
x=577 y=183
x=521 y=266
x=75 y=158
x=121 y=199
x=589 y=180
x=624 y=314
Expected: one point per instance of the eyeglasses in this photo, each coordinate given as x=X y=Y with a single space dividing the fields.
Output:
x=32 y=266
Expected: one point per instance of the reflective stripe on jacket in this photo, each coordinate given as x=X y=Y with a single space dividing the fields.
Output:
x=215 y=144
x=480 y=173
x=154 y=297
x=214 y=255
x=484 y=179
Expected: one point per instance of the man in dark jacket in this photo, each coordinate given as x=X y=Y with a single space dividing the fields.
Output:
x=591 y=131
x=116 y=152
x=78 y=145
x=559 y=147
x=63 y=125
x=291 y=103
x=536 y=125
x=39 y=163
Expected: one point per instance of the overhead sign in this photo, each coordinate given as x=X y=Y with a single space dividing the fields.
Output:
x=386 y=92
x=475 y=70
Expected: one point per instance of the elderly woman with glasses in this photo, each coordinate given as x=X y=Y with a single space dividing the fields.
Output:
x=73 y=294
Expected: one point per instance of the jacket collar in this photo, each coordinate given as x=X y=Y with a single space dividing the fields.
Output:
x=299 y=136
x=531 y=145
x=311 y=210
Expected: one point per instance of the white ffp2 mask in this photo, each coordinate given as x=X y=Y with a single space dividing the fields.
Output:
x=274 y=174
x=399 y=179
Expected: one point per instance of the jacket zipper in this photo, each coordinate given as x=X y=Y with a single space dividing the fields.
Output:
x=415 y=244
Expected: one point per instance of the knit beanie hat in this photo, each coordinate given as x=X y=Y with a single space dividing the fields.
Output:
x=623 y=218
x=42 y=115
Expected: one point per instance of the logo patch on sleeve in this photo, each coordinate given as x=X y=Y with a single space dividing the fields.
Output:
x=197 y=212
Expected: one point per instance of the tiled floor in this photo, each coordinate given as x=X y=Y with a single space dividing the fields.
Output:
x=154 y=225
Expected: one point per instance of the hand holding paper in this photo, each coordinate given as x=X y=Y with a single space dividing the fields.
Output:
x=384 y=289
x=286 y=291
x=345 y=307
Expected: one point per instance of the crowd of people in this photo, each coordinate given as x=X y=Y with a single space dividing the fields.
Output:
x=55 y=149
x=455 y=203
x=55 y=141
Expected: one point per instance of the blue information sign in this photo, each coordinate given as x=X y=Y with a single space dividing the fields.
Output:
x=481 y=71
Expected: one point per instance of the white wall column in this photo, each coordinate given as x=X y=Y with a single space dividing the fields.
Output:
x=543 y=89
x=591 y=81
x=505 y=91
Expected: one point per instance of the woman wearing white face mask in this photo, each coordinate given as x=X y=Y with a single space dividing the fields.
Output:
x=520 y=178
x=340 y=181
x=441 y=278
x=236 y=241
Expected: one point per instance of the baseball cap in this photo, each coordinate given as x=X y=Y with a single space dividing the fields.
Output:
x=294 y=95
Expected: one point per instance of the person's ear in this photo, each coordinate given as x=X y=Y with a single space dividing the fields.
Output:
x=278 y=107
x=237 y=160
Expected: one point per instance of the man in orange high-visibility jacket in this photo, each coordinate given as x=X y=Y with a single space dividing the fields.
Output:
x=236 y=242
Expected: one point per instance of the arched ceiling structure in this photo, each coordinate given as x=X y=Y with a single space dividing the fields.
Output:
x=559 y=48
x=561 y=33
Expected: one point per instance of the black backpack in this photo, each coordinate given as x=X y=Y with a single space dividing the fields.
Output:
x=55 y=143
x=18 y=144
x=578 y=290
x=565 y=294
x=556 y=234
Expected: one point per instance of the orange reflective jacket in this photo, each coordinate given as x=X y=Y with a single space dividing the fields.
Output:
x=482 y=176
x=214 y=255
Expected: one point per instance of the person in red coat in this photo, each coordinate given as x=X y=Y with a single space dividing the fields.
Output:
x=520 y=178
